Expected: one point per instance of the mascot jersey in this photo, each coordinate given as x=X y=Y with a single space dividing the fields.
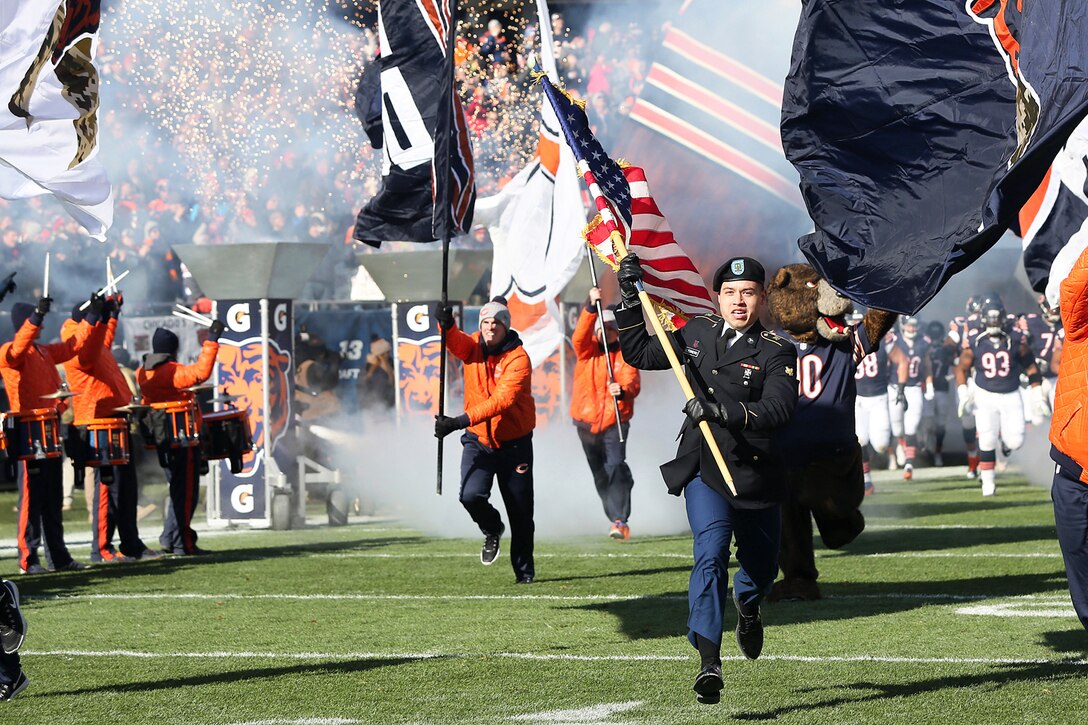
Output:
x=824 y=417
x=997 y=361
x=915 y=352
x=872 y=375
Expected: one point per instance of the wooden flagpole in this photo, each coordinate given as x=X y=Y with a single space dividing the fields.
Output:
x=674 y=363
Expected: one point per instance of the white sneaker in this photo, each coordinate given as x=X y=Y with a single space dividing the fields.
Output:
x=938 y=462
x=900 y=455
x=989 y=488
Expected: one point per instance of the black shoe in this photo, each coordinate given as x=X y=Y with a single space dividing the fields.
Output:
x=708 y=685
x=12 y=621
x=749 y=631
x=34 y=569
x=10 y=690
x=490 y=551
x=72 y=565
x=195 y=551
x=525 y=579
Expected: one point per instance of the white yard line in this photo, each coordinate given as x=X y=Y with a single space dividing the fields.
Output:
x=131 y=596
x=668 y=555
x=547 y=657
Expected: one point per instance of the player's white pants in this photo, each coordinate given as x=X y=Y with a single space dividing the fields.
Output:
x=872 y=422
x=999 y=416
x=906 y=422
x=1048 y=388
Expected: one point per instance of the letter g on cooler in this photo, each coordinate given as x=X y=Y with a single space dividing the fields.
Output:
x=241 y=498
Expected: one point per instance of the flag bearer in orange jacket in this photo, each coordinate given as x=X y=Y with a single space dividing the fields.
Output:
x=596 y=397
x=29 y=371
x=1069 y=436
x=500 y=415
x=162 y=380
x=103 y=389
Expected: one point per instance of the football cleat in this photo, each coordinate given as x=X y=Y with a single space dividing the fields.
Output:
x=908 y=472
x=616 y=532
x=989 y=488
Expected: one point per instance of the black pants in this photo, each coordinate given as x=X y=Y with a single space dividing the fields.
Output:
x=183 y=474
x=1070 y=498
x=512 y=466
x=607 y=456
x=113 y=508
x=41 y=495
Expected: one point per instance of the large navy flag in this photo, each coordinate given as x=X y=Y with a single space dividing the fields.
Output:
x=423 y=126
x=919 y=130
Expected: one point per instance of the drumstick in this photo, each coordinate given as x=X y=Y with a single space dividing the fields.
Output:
x=45 y=284
x=204 y=319
x=182 y=315
x=109 y=275
x=116 y=281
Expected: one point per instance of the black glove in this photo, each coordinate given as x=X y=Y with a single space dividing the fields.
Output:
x=629 y=274
x=7 y=284
x=444 y=317
x=444 y=425
x=37 y=317
x=700 y=410
x=97 y=304
x=109 y=307
x=215 y=330
x=901 y=396
x=115 y=303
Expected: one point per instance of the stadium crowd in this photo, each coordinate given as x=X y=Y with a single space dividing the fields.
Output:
x=305 y=192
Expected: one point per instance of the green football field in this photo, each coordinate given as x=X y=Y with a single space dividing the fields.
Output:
x=949 y=608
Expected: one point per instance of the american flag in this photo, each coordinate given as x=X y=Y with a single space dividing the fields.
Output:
x=625 y=206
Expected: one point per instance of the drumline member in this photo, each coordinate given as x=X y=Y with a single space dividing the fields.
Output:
x=162 y=380
x=103 y=390
x=998 y=355
x=30 y=372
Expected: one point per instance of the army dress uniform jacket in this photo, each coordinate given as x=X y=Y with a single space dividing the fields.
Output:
x=755 y=381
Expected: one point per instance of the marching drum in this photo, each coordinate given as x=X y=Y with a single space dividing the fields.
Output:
x=33 y=434
x=179 y=424
x=107 y=442
x=226 y=434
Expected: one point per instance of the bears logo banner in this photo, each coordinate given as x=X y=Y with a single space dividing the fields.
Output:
x=239 y=371
x=920 y=129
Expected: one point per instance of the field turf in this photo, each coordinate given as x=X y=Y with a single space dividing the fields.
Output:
x=949 y=608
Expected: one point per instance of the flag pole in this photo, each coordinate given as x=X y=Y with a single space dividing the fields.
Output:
x=604 y=342
x=674 y=363
x=442 y=166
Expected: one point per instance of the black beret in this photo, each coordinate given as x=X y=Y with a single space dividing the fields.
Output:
x=739 y=269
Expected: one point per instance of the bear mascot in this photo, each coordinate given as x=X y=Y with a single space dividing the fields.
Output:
x=823 y=457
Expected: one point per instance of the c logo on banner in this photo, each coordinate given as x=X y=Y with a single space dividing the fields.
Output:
x=279 y=317
x=238 y=318
x=419 y=318
x=241 y=498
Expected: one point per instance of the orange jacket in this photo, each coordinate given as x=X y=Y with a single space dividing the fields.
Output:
x=1069 y=424
x=498 y=388
x=96 y=375
x=591 y=405
x=164 y=383
x=30 y=370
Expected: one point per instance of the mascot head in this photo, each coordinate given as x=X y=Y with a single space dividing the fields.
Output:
x=806 y=306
